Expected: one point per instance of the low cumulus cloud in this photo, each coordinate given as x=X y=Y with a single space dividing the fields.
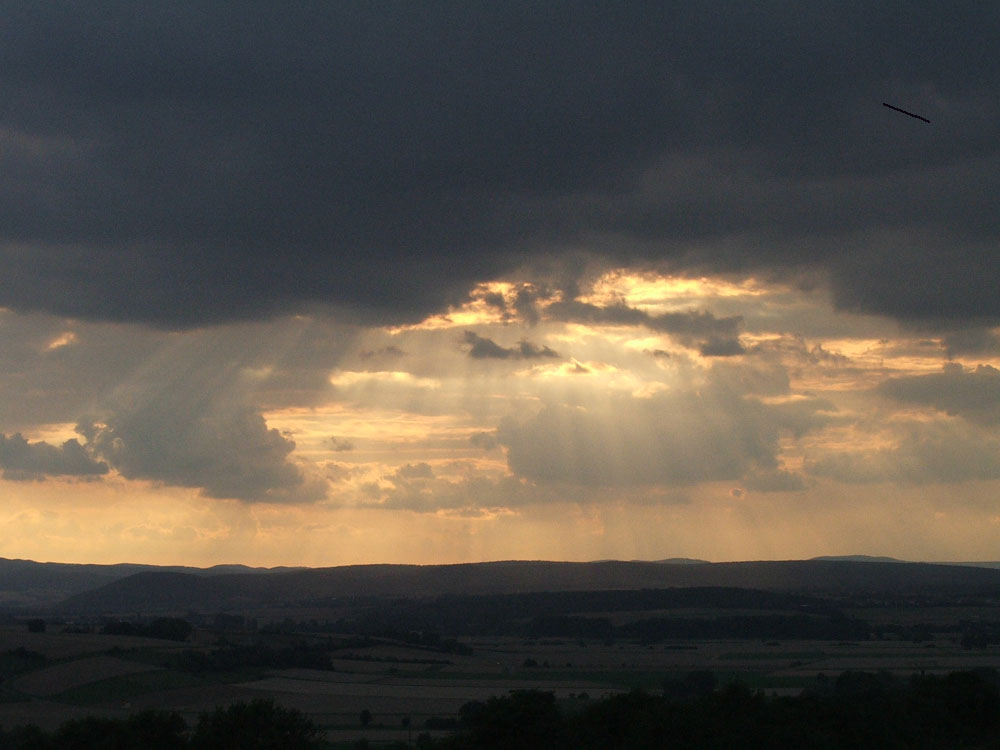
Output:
x=943 y=451
x=418 y=489
x=972 y=394
x=673 y=438
x=188 y=418
x=339 y=445
x=719 y=347
x=227 y=453
x=481 y=347
x=759 y=377
x=412 y=487
x=486 y=441
x=20 y=459
x=183 y=410
x=337 y=472
x=410 y=472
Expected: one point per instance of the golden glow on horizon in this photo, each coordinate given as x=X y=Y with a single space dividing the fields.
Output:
x=178 y=527
x=431 y=403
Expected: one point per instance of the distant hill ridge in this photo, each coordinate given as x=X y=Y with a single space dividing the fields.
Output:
x=163 y=591
x=27 y=582
x=859 y=558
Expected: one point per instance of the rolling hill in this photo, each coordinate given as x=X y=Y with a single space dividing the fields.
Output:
x=173 y=591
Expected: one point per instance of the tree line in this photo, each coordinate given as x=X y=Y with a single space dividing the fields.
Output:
x=257 y=725
x=856 y=710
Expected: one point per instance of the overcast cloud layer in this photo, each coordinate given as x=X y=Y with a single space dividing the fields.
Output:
x=183 y=164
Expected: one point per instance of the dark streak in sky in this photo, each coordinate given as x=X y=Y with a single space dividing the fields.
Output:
x=905 y=112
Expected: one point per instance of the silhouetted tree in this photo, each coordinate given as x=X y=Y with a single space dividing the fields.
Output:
x=169 y=628
x=26 y=737
x=524 y=719
x=258 y=725
x=92 y=732
x=156 y=730
x=694 y=685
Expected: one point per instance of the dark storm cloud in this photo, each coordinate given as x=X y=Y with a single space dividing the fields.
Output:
x=20 y=459
x=971 y=341
x=184 y=164
x=481 y=347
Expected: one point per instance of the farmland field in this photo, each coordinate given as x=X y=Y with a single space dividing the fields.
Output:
x=394 y=681
x=410 y=665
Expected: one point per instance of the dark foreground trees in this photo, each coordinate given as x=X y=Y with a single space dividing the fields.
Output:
x=167 y=628
x=156 y=730
x=856 y=710
x=258 y=725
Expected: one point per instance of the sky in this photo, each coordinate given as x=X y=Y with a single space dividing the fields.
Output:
x=336 y=283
